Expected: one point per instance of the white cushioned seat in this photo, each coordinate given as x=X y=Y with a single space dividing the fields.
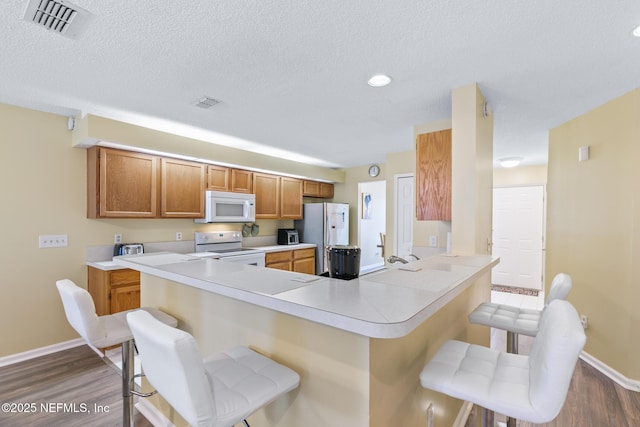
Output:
x=105 y=331
x=220 y=390
x=99 y=331
x=531 y=388
x=519 y=320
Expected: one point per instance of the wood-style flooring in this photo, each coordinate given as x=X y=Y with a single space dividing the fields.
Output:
x=79 y=379
x=593 y=400
x=70 y=388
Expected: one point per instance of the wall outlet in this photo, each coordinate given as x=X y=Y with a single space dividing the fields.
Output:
x=117 y=238
x=178 y=236
x=584 y=321
x=52 y=241
x=433 y=241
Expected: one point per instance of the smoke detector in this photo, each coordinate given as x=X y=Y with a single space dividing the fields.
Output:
x=206 y=102
x=59 y=16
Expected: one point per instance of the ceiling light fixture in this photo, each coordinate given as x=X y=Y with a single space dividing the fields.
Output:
x=379 y=80
x=636 y=32
x=510 y=162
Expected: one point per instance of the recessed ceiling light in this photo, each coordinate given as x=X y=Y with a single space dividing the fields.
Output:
x=636 y=32
x=510 y=162
x=379 y=80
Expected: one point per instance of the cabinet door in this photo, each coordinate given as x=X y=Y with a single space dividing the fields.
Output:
x=433 y=176
x=182 y=186
x=121 y=184
x=290 y=198
x=311 y=188
x=125 y=297
x=241 y=181
x=326 y=190
x=305 y=265
x=217 y=178
x=267 y=190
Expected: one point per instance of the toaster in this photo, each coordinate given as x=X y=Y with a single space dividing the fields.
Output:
x=288 y=236
x=128 y=249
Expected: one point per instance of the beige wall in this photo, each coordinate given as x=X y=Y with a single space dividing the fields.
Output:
x=592 y=227
x=522 y=175
x=43 y=184
x=472 y=175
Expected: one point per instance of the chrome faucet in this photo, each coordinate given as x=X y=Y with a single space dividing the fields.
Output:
x=394 y=258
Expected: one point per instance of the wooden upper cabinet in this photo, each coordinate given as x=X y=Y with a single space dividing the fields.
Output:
x=241 y=181
x=182 y=185
x=317 y=189
x=267 y=190
x=326 y=190
x=218 y=178
x=290 y=198
x=121 y=184
x=433 y=176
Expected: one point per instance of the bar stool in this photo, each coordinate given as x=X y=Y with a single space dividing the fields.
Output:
x=105 y=331
x=220 y=390
x=532 y=388
x=517 y=320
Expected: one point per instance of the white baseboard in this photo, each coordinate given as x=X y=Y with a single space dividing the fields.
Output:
x=152 y=414
x=608 y=371
x=42 y=351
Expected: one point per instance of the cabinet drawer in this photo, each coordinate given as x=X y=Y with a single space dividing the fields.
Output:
x=124 y=277
x=304 y=253
x=272 y=257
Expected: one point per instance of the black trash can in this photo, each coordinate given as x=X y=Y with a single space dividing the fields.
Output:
x=344 y=262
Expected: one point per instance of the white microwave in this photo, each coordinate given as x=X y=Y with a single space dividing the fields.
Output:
x=222 y=206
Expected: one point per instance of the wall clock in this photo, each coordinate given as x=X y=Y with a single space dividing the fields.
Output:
x=374 y=170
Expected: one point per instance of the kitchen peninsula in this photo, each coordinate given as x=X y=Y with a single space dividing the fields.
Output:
x=358 y=345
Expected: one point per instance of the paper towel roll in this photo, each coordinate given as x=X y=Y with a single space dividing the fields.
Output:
x=448 y=242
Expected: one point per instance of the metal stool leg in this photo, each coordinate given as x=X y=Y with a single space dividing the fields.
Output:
x=512 y=342
x=512 y=347
x=127 y=376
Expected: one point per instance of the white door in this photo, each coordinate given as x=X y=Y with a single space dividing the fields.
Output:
x=404 y=216
x=518 y=235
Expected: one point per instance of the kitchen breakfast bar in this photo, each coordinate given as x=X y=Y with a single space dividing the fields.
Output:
x=358 y=345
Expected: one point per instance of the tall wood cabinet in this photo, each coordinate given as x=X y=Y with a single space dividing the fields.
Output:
x=290 y=198
x=121 y=184
x=433 y=176
x=267 y=190
x=182 y=188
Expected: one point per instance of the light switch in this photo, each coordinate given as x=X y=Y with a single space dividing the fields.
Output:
x=583 y=153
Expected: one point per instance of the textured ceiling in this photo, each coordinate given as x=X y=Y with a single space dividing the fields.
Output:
x=292 y=74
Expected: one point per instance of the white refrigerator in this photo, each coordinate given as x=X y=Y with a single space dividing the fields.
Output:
x=324 y=224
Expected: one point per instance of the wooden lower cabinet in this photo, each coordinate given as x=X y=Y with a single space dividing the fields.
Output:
x=298 y=260
x=114 y=290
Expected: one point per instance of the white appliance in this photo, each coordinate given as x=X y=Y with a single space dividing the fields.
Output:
x=223 y=206
x=227 y=246
x=324 y=224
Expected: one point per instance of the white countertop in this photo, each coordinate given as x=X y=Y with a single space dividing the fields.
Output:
x=281 y=248
x=386 y=304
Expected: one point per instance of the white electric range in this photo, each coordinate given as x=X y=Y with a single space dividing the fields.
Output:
x=227 y=246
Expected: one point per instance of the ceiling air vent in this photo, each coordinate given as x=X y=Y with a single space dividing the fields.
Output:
x=206 y=102
x=58 y=16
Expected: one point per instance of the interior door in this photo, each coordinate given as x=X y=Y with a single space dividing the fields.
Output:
x=404 y=216
x=518 y=236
